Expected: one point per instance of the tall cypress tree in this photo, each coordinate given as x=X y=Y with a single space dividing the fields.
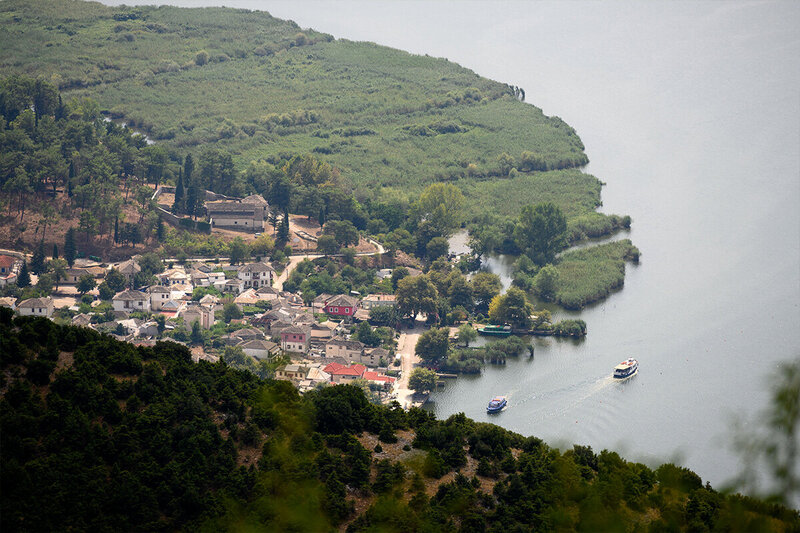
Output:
x=188 y=168
x=160 y=230
x=116 y=230
x=70 y=176
x=24 y=278
x=37 y=261
x=69 y=246
x=192 y=199
x=177 y=206
x=55 y=251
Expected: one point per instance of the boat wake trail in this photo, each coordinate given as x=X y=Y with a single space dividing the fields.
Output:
x=585 y=391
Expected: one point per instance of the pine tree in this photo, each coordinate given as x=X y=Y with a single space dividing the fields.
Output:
x=55 y=251
x=116 y=230
x=177 y=206
x=24 y=278
x=37 y=261
x=69 y=246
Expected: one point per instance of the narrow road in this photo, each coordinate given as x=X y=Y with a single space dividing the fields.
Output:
x=408 y=360
x=294 y=260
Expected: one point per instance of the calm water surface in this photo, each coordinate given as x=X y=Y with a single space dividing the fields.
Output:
x=691 y=113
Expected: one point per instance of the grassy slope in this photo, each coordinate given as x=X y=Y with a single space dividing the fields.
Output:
x=143 y=69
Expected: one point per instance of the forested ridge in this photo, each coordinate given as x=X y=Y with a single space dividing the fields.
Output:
x=101 y=435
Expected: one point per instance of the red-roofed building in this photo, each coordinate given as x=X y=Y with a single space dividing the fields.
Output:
x=7 y=273
x=376 y=377
x=344 y=374
x=7 y=263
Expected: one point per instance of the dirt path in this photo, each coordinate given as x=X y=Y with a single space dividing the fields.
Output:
x=293 y=262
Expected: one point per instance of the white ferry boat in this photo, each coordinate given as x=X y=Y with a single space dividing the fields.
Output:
x=626 y=369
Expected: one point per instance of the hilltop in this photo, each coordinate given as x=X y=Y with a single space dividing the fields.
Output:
x=259 y=87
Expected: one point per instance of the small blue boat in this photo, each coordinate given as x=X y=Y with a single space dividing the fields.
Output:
x=497 y=404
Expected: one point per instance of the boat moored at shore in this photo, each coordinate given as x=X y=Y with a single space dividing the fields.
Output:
x=496 y=331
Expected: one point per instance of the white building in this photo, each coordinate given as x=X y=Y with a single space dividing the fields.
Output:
x=248 y=214
x=131 y=300
x=259 y=348
x=255 y=275
x=36 y=307
x=159 y=295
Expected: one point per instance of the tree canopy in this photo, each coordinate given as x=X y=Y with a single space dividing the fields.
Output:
x=441 y=206
x=541 y=232
x=433 y=345
x=512 y=307
x=416 y=295
x=134 y=438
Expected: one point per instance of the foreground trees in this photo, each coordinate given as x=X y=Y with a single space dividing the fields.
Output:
x=143 y=439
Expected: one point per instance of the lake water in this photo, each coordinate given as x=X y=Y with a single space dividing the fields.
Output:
x=691 y=113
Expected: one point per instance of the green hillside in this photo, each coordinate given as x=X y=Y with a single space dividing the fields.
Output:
x=260 y=87
x=99 y=435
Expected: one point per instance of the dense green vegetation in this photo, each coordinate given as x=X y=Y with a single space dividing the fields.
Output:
x=260 y=87
x=100 y=435
x=590 y=274
x=46 y=145
x=328 y=276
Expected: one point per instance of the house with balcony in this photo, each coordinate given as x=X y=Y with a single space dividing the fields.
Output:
x=378 y=300
x=256 y=275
